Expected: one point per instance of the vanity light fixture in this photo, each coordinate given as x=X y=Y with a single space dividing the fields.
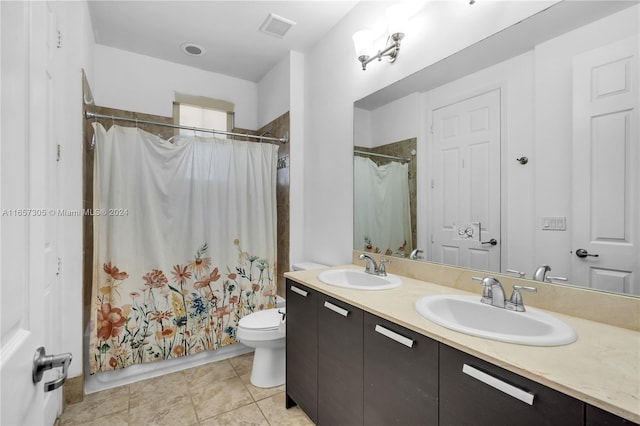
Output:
x=363 y=40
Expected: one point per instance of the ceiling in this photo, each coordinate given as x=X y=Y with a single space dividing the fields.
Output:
x=229 y=31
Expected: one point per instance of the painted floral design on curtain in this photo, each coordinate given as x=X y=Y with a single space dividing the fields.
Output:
x=183 y=309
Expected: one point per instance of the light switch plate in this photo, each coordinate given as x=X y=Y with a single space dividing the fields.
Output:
x=554 y=223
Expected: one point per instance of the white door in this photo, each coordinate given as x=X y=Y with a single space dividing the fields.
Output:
x=465 y=183
x=28 y=227
x=606 y=197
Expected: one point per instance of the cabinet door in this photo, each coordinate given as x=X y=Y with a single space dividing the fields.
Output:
x=400 y=375
x=466 y=400
x=302 y=349
x=339 y=363
x=598 y=417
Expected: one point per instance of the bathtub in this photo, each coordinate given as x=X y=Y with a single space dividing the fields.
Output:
x=111 y=379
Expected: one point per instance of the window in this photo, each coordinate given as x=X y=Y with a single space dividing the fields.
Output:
x=205 y=113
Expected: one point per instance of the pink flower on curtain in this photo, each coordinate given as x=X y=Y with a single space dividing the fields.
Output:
x=155 y=279
x=110 y=321
x=114 y=272
x=180 y=274
x=205 y=281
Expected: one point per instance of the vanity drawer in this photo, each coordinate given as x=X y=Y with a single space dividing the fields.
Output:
x=474 y=392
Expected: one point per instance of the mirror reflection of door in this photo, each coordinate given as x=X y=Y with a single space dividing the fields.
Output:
x=606 y=171
x=465 y=182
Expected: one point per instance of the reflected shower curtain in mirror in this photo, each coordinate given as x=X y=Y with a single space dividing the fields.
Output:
x=184 y=244
x=382 y=219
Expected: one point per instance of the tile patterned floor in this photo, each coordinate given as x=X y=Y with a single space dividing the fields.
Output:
x=217 y=394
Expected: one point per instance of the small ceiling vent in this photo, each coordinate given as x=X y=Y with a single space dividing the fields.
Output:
x=276 y=26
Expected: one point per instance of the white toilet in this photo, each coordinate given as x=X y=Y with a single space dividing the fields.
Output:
x=265 y=331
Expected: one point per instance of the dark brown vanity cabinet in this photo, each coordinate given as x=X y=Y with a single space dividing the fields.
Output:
x=400 y=375
x=598 y=417
x=470 y=395
x=302 y=349
x=340 y=371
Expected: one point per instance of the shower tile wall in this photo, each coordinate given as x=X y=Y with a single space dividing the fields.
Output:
x=278 y=128
x=401 y=149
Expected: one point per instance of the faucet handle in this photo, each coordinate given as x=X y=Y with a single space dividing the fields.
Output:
x=515 y=302
x=518 y=273
x=551 y=279
x=382 y=270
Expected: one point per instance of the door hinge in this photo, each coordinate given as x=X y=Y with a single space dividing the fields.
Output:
x=58 y=151
x=431 y=129
x=59 y=266
x=58 y=39
x=433 y=185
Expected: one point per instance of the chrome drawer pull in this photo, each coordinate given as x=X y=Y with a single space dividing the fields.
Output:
x=298 y=291
x=511 y=390
x=336 y=309
x=395 y=336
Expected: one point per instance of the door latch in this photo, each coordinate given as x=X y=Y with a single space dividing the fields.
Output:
x=43 y=362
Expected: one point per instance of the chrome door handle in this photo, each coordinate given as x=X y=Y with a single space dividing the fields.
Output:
x=582 y=253
x=492 y=241
x=43 y=362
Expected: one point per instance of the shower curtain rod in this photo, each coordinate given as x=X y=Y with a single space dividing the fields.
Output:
x=89 y=115
x=408 y=160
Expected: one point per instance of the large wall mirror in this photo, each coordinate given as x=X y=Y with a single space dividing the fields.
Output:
x=518 y=154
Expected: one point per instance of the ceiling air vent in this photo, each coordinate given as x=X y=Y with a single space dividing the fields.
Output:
x=276 y=26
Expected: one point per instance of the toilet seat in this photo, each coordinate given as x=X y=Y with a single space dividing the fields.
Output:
x=268 y=319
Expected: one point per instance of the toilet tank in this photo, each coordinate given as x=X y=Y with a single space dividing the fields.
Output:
x=304 y=266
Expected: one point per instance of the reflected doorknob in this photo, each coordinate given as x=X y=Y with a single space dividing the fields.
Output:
x=583 y=253
x=43 y=362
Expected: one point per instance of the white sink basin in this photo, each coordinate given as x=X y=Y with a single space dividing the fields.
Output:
x=360 y=280
x=468 y=315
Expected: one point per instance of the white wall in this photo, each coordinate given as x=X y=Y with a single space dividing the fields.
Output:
x=134 y=82
x=335 y=80
x=76 y=55
x=274 y=92
x=296 y=157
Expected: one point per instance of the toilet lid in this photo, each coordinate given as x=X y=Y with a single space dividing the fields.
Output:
x=262 y=320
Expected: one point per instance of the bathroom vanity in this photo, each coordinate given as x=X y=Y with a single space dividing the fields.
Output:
x=366 y=357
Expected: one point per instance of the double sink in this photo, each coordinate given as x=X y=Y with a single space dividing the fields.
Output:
x=467 y=314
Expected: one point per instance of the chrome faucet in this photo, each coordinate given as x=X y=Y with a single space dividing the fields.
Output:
x=492 y=292
x=415 y=254
x=541 y=273
x=372 y=268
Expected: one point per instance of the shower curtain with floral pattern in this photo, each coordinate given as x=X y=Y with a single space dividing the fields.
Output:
x=184 y=244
